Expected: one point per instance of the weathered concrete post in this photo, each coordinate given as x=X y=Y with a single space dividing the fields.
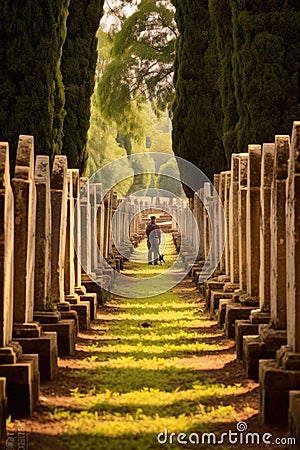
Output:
x=262 y=315
x=253 y=219
x=85 y=215
x=226 y=211
x=198 y=212
x=6 y=249
x=278 y=233
x=59 y=193
x=222 y=198
x=24 y=236
x=42 y=280
x=233 y=220
x=242 y=220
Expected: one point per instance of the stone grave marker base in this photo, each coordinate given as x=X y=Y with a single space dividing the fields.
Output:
x=22 y=386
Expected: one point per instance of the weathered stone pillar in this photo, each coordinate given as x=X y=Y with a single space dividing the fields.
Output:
x=265 y=232
x=219 y=218
x=226 y=212
x=233 y=220
x=278 y=233
x=198 y=212
x=93 y=202
x=77 y=228
x=6 y=249
x=253 y=219
x=69 y=272
x=24 y=230
x=42 y=280
x=293 y=248
x=59 y=193
x=242 y=220
x=207 y=224
x=85 y=213
x=222 y=198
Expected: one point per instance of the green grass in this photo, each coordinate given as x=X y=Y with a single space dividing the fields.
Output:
x=141 y=380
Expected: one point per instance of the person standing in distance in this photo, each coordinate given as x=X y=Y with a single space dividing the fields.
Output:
x=153 y=241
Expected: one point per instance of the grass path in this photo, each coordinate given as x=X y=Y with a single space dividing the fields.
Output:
x=146 y=365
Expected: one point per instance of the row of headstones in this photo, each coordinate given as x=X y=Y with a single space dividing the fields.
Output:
x=46 y=297
x=255 y=289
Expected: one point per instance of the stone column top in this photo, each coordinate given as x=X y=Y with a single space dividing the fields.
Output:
x=42 y=170
x=282 y=149
x=59 y=173
x=25 y=158
x=4 y=165
x=243 y=168
x=76 y=181
x=235 y=166
x=217 y=181
x=267 y=164
x=227 y=179
x=84 y=190
x=295 y=148
x=254 y=165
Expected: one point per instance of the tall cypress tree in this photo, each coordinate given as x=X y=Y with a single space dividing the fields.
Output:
x=266 y=64
x=78 y=68
x=221 y=18
x=197 y=112
x=31 y=89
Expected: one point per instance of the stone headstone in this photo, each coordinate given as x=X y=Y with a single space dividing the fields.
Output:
x=59 y=197
x=42 y=279
x=6 y=248
x=278 y=233
x=253 y=219
x=242 y=220
x=265 y=231
x=293 y=242
x=198 y=212
x=69 y=269
x=233 y=220
x=222 y=199
x=24 y=230
x=226 y=212
x=77 y=226
x=85 y=215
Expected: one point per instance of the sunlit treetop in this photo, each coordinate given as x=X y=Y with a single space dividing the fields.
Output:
x=140 y=66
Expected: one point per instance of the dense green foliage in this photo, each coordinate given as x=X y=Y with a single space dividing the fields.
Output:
x=78 y=68
x=31 y=90
x=236 y=76
x=266 y=63
x=197 y=112
x=221 y=18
